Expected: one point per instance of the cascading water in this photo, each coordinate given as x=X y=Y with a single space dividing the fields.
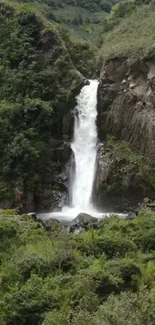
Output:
x=84 y=146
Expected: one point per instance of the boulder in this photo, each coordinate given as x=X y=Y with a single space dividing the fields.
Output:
x=33 y=215
x=51 y=224
x=77 y=231
x=83 y=219
x=147 y=204
x=131 y=215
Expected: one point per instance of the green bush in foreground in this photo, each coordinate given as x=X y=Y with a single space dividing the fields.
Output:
x=103 y=276
x=128 y=308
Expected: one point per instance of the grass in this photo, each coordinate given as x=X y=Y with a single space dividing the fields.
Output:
x=133 y=35
x=79 y=21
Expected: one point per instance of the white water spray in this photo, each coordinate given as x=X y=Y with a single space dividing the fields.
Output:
x=84 y=146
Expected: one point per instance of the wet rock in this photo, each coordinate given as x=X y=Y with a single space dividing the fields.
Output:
x=84 y=219
x=51 y=225
x=77 y=231
x=32 y=215
x=147 y=204
x=131 y=215
x=82 y=222
x=151 y=205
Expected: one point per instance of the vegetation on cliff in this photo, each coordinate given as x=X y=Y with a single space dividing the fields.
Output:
x=81 y=17
x=125 y=176
x=103 y=276
x=127 y=31
x=38 y=85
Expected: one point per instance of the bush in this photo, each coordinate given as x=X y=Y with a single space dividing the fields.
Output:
x=28 y=304
x=56 y=318
x=128 y=308
x=53 y=278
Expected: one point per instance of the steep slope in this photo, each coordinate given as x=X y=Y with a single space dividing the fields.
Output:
x=128 y=31
x=126 y=102
x=126 y=91
x=38 y=84
x=81 y=17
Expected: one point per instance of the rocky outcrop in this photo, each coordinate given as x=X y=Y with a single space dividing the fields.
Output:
x=126 y=102
x=84 y=219
x=83 y=222
x=124 y=178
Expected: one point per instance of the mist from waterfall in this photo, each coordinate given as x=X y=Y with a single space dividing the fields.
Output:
x=84 y=146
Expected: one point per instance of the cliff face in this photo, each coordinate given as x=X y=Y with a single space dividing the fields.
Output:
x=126 y=103
x=124 y=177
x=126 y=107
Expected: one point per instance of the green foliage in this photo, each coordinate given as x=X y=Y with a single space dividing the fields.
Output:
x=81 y=17
x=130 y=173
x=8 y=213
x=128 y=308
x=34 y=298
x=57 y=278
x=81 y=52
x=38 y=83
x=119 y=11
x=56 y=318
x=6 y=191
x=126 y=31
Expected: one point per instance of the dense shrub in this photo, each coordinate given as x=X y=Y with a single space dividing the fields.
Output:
x=54 y=278
x=38 y=83
x=128 y=308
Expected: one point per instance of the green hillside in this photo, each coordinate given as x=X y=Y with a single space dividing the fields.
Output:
x=38 y=85
x=81 y=17
x=128 y=31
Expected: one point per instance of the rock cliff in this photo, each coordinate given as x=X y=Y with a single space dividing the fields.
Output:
x=126 y=103
x=126 y=110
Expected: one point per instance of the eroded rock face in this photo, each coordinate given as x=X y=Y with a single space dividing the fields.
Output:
x=124 y=178
x=126 y=103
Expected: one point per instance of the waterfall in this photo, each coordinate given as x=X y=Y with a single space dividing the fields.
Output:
x=84 y=147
